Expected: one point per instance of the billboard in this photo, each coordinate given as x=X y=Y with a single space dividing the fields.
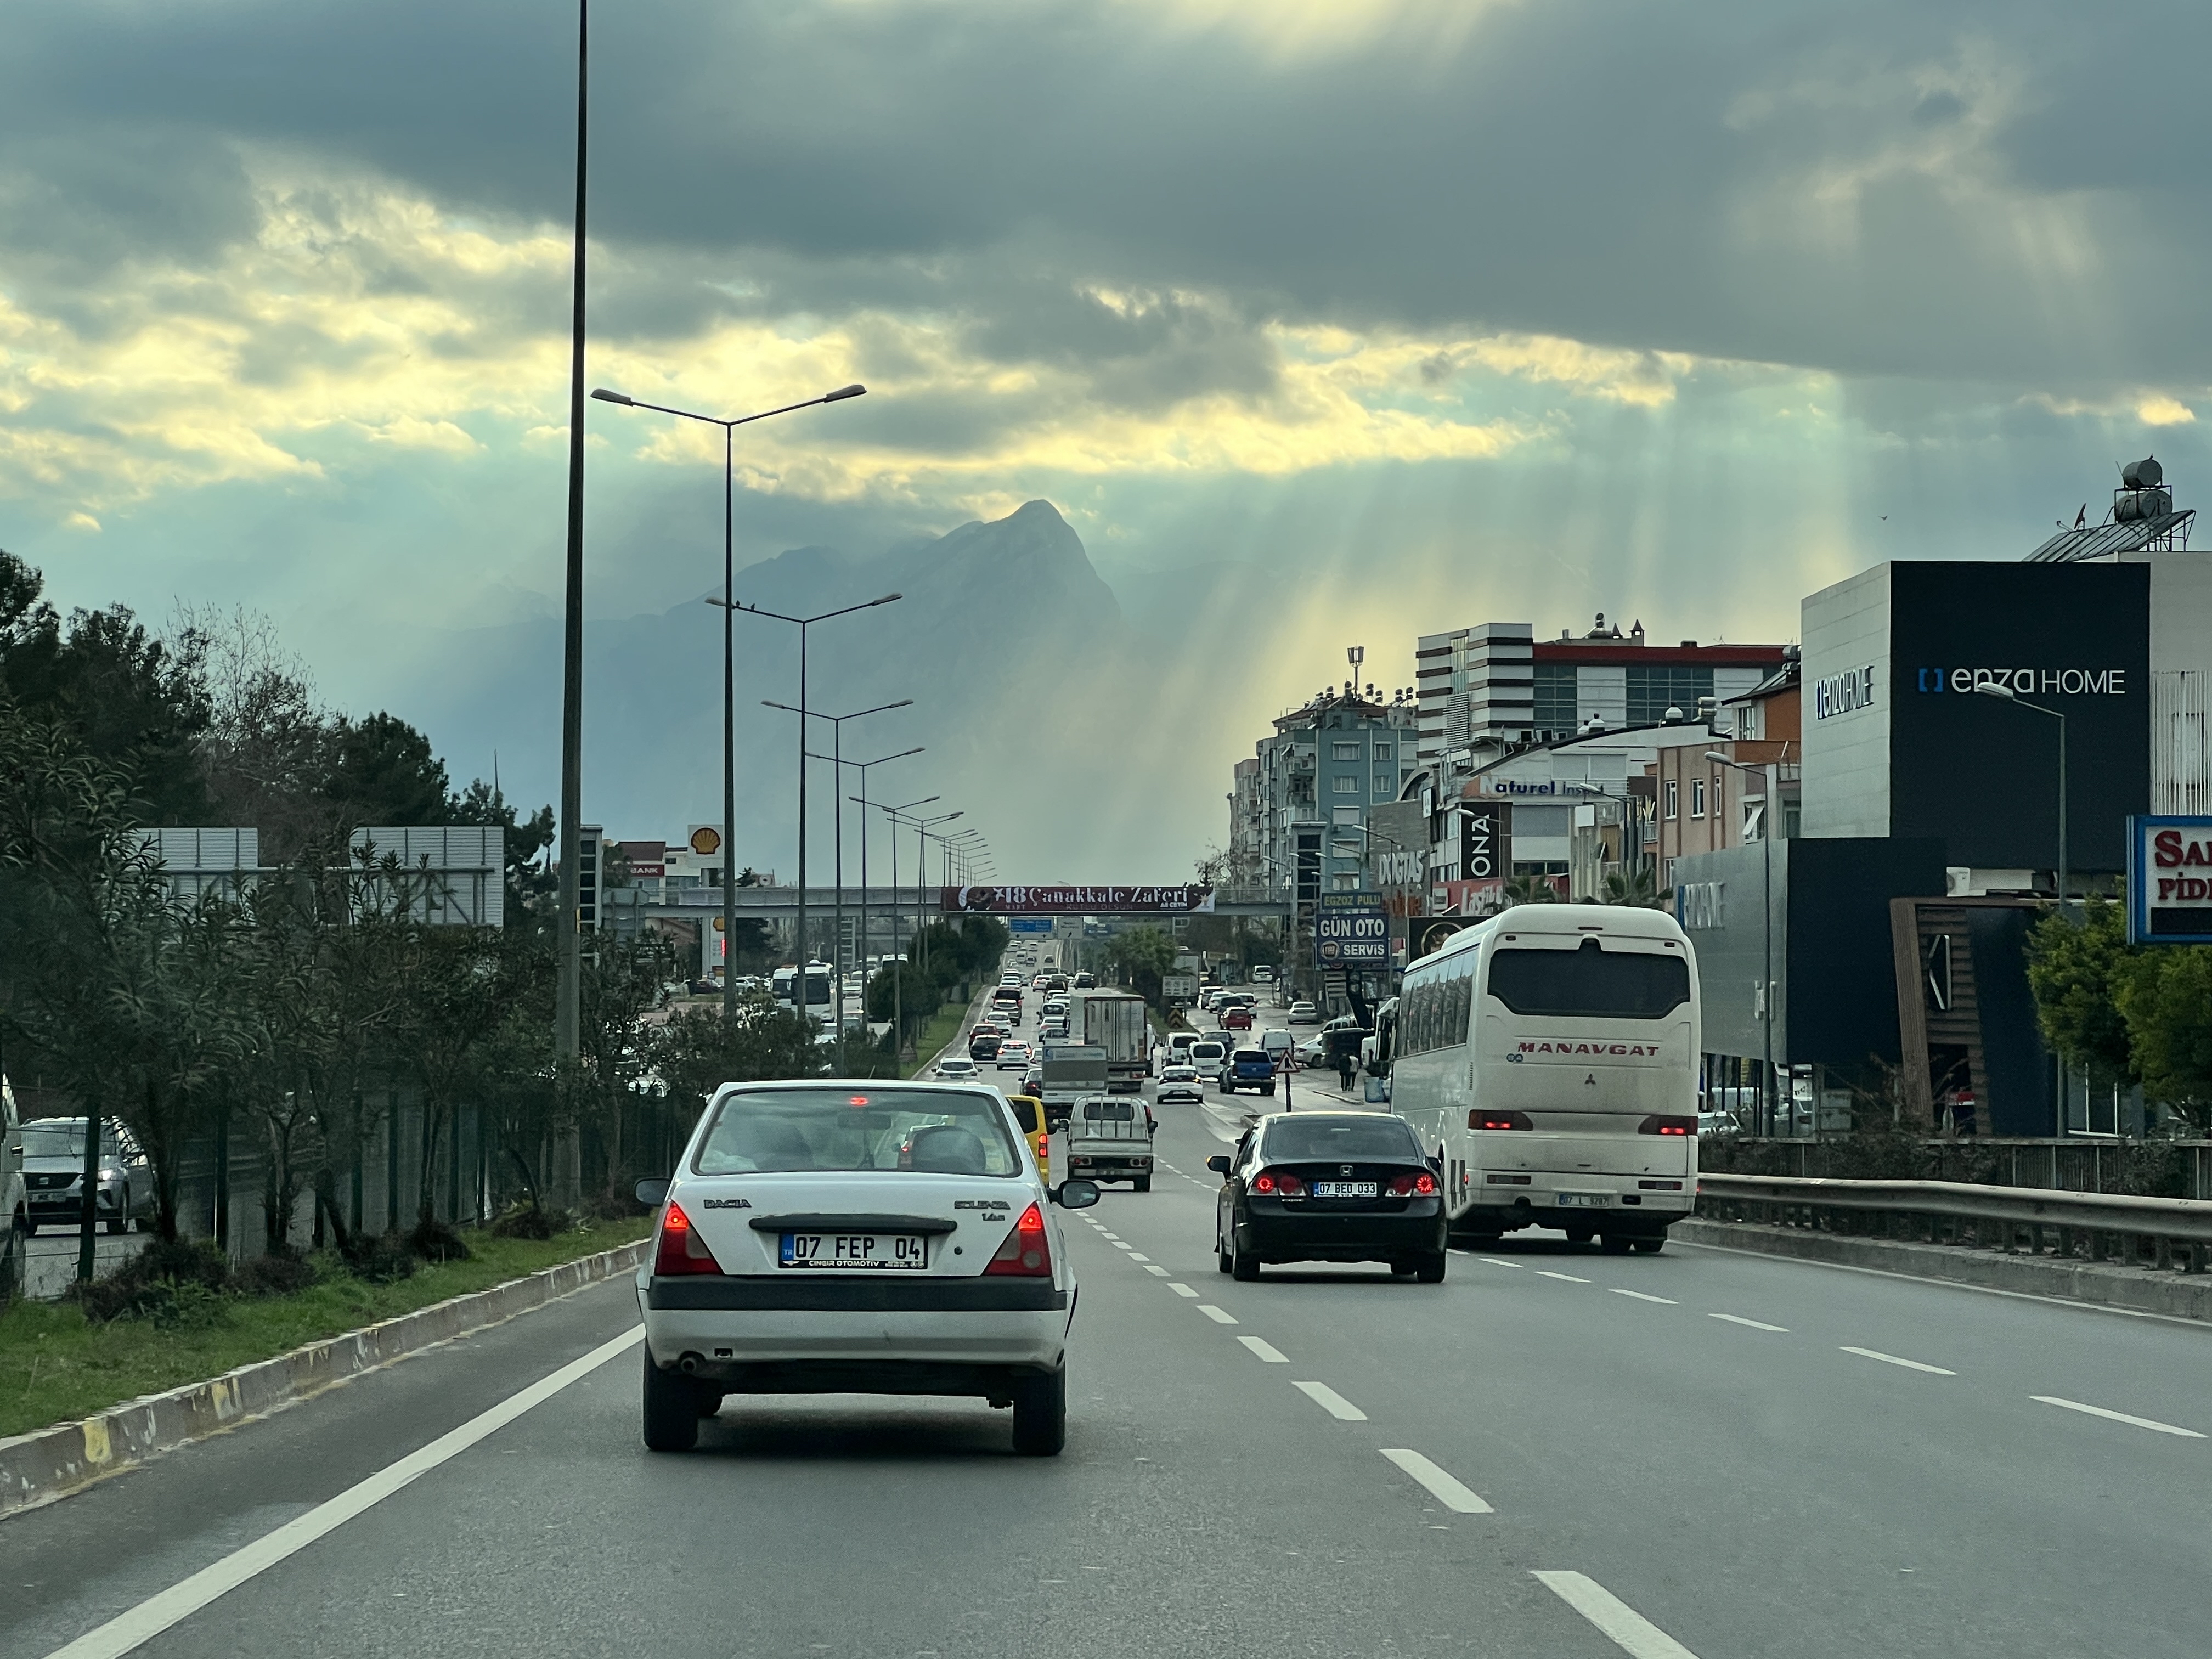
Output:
x=1352 y=930
x=2169 y=880
x=1074 y=900
x=1486 y=840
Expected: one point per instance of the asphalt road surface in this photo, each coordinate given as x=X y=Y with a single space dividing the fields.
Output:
x=1554 y=1454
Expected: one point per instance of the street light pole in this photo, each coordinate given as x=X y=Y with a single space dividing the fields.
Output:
x=568 y=1020
x=1767 y=1090
x=2010 y=695
x=900 y=958
x=729 y=666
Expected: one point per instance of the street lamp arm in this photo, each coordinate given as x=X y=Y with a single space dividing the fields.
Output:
x=607 y=396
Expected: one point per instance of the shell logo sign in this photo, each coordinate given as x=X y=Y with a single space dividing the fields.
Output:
x=705 y=839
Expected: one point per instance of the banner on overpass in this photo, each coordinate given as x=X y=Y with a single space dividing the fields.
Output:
x=1075 y=901
x=1352 y=930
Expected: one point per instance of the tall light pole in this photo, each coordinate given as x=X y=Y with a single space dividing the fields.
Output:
x=837 y=813
x=1768 y=1093
x=899 y=957
x=729 y=668
x=861 y=767
x=922 y=827
x=568 y=1018
x=803 y=624
x=2010 y=695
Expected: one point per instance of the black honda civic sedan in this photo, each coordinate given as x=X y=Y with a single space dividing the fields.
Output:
x=1330 y=1187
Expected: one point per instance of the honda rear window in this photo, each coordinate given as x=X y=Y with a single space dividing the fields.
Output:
x=940 y=1131
x=1315 y=1139
x=1589 y=983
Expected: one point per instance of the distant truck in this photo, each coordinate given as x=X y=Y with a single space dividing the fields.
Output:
x=1071 y=1070
x=1110 y=1140
x=1115 y=1021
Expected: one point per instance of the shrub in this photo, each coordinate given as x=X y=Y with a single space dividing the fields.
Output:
x=380 y=1260
x=170 y=1282
x=434 y=1241
x=276 y=1275
x=522 y=1219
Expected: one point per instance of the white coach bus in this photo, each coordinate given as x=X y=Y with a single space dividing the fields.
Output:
x=1548 y=1058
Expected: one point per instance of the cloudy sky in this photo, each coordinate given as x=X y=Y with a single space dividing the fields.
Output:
x=1423 y=311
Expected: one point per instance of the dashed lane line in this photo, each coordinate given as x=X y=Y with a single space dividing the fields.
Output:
x=1182 y=1290
x=1545 y=1273
x=1331 y=1401
x=2150 y=1423
x=1219 y=1316
x=1496 y=1262
x=1892 y=1359
x=1753 y=1324
x=1136 y=1257
x=1645 y=1295
x=1157 y=1271
x=1627 y=1629
x=1266 y=1350
x=1443 y=1486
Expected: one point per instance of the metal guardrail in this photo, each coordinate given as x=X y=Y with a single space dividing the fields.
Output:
x=2160 y=1232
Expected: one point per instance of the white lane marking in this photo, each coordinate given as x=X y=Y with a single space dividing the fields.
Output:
x=1111 y=1238
x=1156 y=1272
x=1331 y=1401
x=1627 y=1629
x=1182 y=1290
x=1216 y=1315
x=1644 y=1296
x=1755 y=1324
x=1266 y=1350
x=1443 y=1487
x=2117 y=1417
x=128 y=1631
x=1495 y=1262
x=1892 y=1359
x=1545 y=1273
x=1136 y=1257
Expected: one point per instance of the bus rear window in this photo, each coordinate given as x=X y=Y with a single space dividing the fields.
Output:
x=1589 y=983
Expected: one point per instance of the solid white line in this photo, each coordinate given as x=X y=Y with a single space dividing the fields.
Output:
x=2116 y=1417
x=1495 y=1262
x=128 y=1631
x=1892 y=1359
x=1216 y=1315
x=1182 y=1290
x=1644 y=1296
x=1442 y=1486
x=1629 y=1630
x=1156 y=1271
x=1267 y=1349
x=1755 y=1324
x=1331 y=1401
x=1545 y=1273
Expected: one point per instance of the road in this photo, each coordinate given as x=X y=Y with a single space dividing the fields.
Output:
x=1555 y=1455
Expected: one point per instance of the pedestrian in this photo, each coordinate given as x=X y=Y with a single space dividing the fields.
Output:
x=1344 y=1067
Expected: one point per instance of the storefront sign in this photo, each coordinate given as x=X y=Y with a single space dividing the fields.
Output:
x=2169 y=880
x=1485 y=836
x=1839 y=694
x=1350 y=929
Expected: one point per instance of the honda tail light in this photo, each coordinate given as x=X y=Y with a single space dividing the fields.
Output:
x=681 y=1249
x=1280 y=1182
x=1480 y=1119
x=1423 y=1185
x=1662 y=1123
x=1026 y=1254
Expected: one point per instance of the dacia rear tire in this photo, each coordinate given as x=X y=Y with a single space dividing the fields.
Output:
x=1430 y=1268
x=671 y=1409
x=1041 y=1414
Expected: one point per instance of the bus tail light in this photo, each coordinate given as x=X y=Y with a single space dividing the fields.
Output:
x=1423 y=1185
x=1664 y=1123
x=681 y=1250
x=1026 y=1254
x=1479 y=1119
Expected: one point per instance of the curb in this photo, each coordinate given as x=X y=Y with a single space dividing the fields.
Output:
x=2135 y=1290
x=49 y=1464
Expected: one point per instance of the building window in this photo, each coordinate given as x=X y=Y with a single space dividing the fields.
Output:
x=1344 y=784
x=1381 y=751
x=1554 y=697
x=1674 y=799
x=1345 y=815
x=1343 y=849
x=1344 y=752
x=1386 y=784
x=1696 y=798
x=1346 y=882
x=1653 y=691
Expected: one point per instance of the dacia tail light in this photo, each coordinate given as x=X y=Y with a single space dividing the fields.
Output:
x=1026 y=1254
x=1423 y=1185
x=1664 y=1123
x=1482 y=1119
x=681 y=1250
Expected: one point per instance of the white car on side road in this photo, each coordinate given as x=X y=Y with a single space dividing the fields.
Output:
x=858 y=1237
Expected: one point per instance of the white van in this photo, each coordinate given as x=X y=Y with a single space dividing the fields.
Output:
x=1110 y=1137
x=1549 y=1057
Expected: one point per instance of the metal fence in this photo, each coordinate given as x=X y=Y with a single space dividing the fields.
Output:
x=2150 y=1232
x=2171 y=1168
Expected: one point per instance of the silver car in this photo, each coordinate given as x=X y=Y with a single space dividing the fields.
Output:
x=53 y=1175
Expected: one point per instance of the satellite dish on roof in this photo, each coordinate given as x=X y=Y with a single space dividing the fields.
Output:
x=2144 y=474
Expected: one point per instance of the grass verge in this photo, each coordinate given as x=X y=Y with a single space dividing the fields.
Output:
x=944 y=1025
x=56 y=1366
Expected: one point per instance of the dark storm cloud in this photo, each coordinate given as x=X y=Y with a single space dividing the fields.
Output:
x=1875 y=188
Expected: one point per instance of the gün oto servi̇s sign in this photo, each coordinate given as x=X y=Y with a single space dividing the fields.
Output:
x=2169 y=880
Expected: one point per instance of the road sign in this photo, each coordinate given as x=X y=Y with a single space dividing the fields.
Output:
x=1352 y=930
x=2169 y=880
x=1030 y=924
x=1181 y=988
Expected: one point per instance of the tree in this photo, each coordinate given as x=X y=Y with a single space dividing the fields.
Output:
x=1142 y=955
x=381 y=770
x=699 y=1049
x=2079 y=972
x=1530 y=890
x=2166 y=999
x=1622 y=888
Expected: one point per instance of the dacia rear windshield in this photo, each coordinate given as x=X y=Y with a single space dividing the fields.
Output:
x=1590 y=983
x=928 y=1131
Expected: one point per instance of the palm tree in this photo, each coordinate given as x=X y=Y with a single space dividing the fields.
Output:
x=1622 y=888
x=1530 y=890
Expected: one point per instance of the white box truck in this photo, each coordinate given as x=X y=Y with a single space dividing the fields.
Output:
x=1115 y=1021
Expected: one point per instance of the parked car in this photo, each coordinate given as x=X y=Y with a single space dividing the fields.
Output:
x=53 y=1175
x=1304 y=1013
x=1180 y=1083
